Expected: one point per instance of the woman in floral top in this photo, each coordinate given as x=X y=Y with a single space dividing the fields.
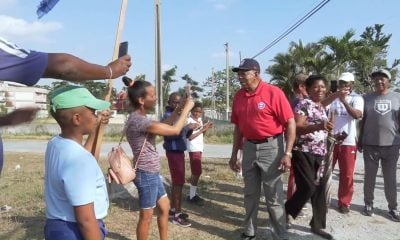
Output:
x=312 y=128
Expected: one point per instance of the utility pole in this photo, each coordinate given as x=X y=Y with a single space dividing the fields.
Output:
x=158 y=83
x=227 y=80
x=212 y=91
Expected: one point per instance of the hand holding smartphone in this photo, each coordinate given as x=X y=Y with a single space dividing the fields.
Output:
x=334 y=86
x=188 y=91
x=123 y=49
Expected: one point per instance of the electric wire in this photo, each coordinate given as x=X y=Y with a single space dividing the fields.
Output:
x=293 y=27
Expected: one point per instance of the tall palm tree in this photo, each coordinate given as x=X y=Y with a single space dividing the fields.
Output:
x=283 y=71
x=341 y=50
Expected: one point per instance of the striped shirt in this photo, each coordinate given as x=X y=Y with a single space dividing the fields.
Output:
x=136 y=134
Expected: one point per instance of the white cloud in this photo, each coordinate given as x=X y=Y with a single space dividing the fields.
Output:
x=7 y=4
x=19 y=28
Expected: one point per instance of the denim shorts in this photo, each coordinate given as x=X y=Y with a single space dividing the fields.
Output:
x=150 y=188
x=56 y=229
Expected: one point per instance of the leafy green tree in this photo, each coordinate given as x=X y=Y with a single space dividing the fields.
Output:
x=283 y=71
x=194 y=86
x=300 y=58
x=332 y=56
x=372 y=54
x=215 y=89
x=99 y=89
x=141 y=77
x=167 y=80
x=57 y=84
x=341 y=51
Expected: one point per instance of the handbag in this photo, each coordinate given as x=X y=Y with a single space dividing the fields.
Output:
x=121 y=170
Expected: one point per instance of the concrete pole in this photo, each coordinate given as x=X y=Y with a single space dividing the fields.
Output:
x=158 y=80
x=227 y=80
x=212 y=91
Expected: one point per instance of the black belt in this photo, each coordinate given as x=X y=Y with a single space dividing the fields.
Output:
x=264 y=140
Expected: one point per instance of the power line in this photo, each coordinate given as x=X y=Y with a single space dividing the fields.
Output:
x=293 y=27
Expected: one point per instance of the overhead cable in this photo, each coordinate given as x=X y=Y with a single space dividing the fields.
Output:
x=293 y=27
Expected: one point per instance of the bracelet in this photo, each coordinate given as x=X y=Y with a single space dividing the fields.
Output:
x=111 y=72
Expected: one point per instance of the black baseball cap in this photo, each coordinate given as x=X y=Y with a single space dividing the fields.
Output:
x=247 y=64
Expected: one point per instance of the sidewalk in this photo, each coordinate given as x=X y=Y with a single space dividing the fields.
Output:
x=39 y=146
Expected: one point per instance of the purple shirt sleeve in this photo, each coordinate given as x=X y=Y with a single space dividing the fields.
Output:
x=20 y=65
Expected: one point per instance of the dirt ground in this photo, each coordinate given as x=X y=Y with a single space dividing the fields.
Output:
x=354 y=225
x=21 y=187
x=350 y=226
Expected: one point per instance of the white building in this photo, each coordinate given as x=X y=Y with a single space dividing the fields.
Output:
x=15 y=95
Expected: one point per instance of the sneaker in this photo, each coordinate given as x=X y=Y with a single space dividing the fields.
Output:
x=322 y=233
x=182 y=215
x=179 y=220
x=394 y=215
x=243 y=236
x=5 y=208
x=289 y=221
x=344 y=209
x=196 y=200
x=368 y=210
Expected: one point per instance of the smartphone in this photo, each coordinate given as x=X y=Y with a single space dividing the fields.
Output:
x=334 y=86
x=188 y=90
x=123 y=49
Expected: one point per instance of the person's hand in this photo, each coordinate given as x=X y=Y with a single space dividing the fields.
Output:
x=20 y=115
x=104 y=116
x=343 y=92
x=235 y=164
x=189 y=103
x=286 y=163
x=120 y=66
x=193 y=126
x=359 y=148
x=326 y=125
x=207 y=126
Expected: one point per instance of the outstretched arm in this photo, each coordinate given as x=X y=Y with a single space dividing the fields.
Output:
x=21 y=115
x=163 y=129
x=68 y=67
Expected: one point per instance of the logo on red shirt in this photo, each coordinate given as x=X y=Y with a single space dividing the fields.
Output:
x=261 y=105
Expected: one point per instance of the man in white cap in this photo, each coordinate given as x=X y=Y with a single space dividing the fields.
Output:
x=347 y=109
x=380 y=141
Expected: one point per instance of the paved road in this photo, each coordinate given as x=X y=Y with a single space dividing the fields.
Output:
x=39 y=146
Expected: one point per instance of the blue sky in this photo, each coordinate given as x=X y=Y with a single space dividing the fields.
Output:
x=193 y=31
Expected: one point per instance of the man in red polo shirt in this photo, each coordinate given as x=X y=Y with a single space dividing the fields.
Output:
x=261 y=114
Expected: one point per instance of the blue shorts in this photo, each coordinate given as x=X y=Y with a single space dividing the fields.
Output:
x=150 y=188
x=62 y=230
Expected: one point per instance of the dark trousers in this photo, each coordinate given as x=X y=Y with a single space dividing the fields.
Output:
x=305 y=166
x=56 y=229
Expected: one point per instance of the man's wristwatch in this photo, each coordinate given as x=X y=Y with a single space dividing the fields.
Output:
x=289 y=154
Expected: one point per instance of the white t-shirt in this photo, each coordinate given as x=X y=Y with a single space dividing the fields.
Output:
x=197 y=144
x=343 y=120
